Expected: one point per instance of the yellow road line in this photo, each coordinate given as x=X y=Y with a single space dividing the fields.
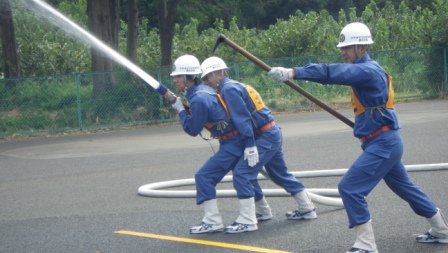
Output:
x=203 y=242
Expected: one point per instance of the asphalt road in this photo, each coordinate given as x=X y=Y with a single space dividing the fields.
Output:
x=79 y=193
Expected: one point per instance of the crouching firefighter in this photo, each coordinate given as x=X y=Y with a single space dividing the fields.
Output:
x=205 y=111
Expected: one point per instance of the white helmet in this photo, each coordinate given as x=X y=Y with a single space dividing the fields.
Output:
x=186 y=65
x=211 y=64
x=355 y=34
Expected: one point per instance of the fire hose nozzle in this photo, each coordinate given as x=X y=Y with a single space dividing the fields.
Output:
x=166 y=93
x=170 y=97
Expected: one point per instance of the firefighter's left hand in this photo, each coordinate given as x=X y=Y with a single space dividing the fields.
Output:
x=251 y=155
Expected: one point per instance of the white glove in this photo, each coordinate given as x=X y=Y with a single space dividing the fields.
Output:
x=178 y=105
x=281 y=74
x=251 y=155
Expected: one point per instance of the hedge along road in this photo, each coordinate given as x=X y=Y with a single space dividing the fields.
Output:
x=79 y=193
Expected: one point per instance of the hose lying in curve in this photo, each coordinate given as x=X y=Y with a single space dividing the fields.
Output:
x=323 y=196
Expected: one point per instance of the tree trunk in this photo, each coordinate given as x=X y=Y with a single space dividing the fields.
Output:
x=131 y=46
x=10 y=60
x=167 y=15
x=103 y=23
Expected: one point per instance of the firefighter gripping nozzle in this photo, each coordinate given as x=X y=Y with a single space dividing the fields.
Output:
x=170 y=97
x=166 y=93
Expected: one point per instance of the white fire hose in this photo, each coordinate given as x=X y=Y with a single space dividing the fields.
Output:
x=323 y=196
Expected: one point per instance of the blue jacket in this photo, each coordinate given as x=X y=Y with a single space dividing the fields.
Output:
x=242 y=110
x=369 y=82
x=205 y=108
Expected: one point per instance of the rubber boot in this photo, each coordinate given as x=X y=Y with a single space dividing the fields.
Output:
x=439 y=227
x=247 y=212
x=212 y=220
x=262 y=210
x=246 y=221
x=438 y=232
x=365 y=240
x=304 y=202
x=211 y=212
x=306 y=209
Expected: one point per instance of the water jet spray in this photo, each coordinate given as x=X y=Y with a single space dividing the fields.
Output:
x=72 y=28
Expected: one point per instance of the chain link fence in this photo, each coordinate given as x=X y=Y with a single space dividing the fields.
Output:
x=85 y=101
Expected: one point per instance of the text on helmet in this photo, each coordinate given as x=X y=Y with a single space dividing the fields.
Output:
x=189 y=69
x=361 y=38
x=214 y=66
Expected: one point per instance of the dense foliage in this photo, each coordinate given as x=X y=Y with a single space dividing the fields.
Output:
x=47 y=50
x=56 y=102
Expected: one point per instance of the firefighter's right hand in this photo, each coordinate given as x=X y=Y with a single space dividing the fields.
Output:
x=178 y=106
x=281 y=74
x=170 y=97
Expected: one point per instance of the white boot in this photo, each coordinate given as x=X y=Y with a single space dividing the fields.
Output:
x=306 y=210
x=247 y=220
x=365 y=240
x=211 y=212
x=438 y=231
x=262 y=210
x=212 y=220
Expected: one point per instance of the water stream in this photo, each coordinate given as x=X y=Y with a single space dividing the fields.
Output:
x=58 y=19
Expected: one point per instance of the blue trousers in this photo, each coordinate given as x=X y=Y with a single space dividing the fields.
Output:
x=216 y=167
x=381 y=159
x=269 y=145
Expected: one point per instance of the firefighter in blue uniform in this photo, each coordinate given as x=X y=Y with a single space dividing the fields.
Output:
x=205 y=111
x=376 y=125
x=263 y=147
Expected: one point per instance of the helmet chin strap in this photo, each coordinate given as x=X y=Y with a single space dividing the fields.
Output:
x=184 y=91
x=216 y=79
x=223 y=71
x=356 y=51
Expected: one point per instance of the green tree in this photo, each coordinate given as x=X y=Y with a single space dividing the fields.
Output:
x=167 y=15
x=132 y=30
x=104 y=23
x=45 y=49
x=197 y=24
x=439 y=30
x=10 y=59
